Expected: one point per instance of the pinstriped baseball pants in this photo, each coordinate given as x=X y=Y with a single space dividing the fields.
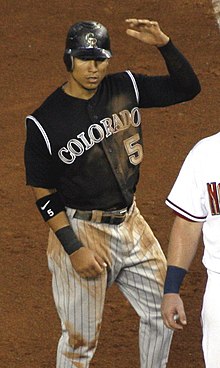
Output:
x=136 y=263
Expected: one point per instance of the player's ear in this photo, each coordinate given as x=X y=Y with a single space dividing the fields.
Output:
x=72 y=63
x=69 y=62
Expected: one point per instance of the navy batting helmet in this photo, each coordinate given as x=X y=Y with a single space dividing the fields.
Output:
x=87 y=40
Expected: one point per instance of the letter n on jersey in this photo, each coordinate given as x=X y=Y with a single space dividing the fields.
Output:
x=214 y=197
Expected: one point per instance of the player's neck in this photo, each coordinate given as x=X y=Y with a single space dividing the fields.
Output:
x=78 y=91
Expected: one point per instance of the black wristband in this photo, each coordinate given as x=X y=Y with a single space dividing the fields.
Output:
x=68 y=239
x=50 y=205
x=174 y=279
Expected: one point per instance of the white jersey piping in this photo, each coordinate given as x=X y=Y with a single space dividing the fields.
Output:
x=44 y=134
x=134 y=84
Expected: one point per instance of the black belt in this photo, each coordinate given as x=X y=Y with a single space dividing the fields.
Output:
x=104 y=217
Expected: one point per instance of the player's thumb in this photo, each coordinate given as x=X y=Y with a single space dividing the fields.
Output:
x=182 y=316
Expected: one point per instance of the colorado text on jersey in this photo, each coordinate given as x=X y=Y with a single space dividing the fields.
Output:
x=96 y=133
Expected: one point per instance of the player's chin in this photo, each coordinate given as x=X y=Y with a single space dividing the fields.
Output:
x=92 y=83
x=91 y=86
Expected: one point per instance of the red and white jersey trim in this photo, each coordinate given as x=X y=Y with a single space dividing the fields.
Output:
x=184 y=213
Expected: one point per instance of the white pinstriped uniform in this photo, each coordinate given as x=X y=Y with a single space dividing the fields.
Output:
x=139 y=272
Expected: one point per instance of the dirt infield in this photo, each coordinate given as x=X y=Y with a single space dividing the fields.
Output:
x=32 y=43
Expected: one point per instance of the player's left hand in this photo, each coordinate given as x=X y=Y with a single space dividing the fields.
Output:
x=147 y=31
x=173 y=312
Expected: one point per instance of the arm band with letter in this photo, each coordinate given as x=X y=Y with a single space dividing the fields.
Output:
x=68 y=239
x=174 y=279
x=50 y=205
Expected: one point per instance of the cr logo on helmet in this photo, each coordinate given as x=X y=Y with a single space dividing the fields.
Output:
x=91 y=40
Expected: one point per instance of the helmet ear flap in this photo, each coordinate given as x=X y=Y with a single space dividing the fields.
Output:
x=68 y=61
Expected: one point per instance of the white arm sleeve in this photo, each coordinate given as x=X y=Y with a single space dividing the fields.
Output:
x=187 y=194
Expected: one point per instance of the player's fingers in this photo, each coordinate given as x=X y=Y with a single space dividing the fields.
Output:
x=138 y=34
x=166 y=321
x=146 y=23
x=181 y=317
x=136 y=21
x=101 y=262
x=95 y=269
x=133 y=33
x=177 y=321
x=132 y=21
x=91 y=273
x=173 y=323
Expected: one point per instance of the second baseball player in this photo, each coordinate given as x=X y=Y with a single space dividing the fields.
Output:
x=195 y=197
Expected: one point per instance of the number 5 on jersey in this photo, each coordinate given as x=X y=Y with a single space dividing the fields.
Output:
x=134 y=149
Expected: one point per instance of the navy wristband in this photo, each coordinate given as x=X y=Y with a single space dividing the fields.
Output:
x=174 y=279
x=68 y=239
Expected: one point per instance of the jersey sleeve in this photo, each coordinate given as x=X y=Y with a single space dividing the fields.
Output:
x=37 y=159
x=179 y=85
x=187 y=196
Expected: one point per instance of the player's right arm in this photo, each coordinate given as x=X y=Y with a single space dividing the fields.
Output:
x=40 y=176
x=85 y=261
x=183 y=243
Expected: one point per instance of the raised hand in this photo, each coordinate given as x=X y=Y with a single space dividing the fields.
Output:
x=147 y=31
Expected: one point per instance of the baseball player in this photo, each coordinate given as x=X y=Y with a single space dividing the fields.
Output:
x=195 y=197
x=83 y=153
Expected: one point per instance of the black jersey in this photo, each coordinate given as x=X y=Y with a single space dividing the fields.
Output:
x=91 y=150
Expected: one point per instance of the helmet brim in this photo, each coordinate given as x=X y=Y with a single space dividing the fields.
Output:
x=90 y=53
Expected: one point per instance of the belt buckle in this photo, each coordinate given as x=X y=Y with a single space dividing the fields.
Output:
x=123 y=211
x=118 y=217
